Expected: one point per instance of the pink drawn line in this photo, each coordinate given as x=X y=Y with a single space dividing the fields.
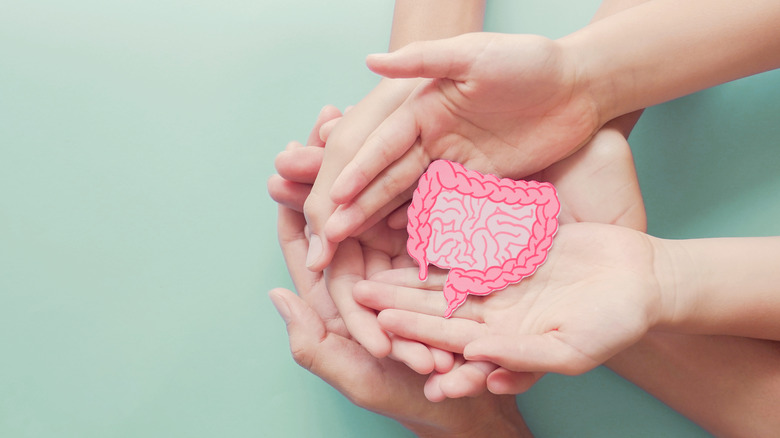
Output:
x=446 y=175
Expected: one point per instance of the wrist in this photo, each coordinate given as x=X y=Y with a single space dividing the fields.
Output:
x=677 y=280
x=596 y=86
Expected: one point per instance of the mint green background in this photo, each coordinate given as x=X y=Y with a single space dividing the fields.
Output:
x=137 y=242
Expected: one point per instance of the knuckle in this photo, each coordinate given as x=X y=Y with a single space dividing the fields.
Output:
x=302 y=357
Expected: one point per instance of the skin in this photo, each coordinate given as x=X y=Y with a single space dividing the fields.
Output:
x=613 y=295
x=377 y=110
x=320 y=343
x=412 y=21
x=672 y=350
x=523 y=102
x=606 y=163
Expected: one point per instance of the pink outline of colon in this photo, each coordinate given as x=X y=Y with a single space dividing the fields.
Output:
x=446 y=176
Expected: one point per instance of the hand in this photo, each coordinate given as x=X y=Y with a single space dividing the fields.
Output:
x=509 y=105
x=344 y=138
x=596 y=294
x=298 y=167
x=379 y=248
x=599 y=184
x=320 y=343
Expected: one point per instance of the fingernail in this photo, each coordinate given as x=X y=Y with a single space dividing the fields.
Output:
x=315 y=250
x=281 y=307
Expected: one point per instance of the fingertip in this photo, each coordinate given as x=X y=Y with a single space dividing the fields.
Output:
x=363 y=294
x=344 y=189
x=282 y=307
x=378 y=346
x=320 y=253
x=443 y=361
x=432 y=390
x=503 y=381
x=415 y=355
x=476 y=350
x=341 y=223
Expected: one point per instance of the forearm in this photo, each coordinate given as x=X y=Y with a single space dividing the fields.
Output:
x=663 y=49
x=419 y=20
x=721 y=286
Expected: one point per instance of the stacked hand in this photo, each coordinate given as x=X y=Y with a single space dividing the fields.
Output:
x=605 y=162
x=509 y=105
x=318 y=333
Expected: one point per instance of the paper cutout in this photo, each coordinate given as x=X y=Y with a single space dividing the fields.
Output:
x=489 y=232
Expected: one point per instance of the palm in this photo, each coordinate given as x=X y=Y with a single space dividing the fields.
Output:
x=595 y=295
x=381 y=385
x=591 y=295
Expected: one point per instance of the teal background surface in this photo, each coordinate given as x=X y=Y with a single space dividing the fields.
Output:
x=137 y=241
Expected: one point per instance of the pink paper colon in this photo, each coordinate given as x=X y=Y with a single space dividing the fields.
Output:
x=488 y=232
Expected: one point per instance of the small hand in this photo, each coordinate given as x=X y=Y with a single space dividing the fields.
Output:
x=596 y=294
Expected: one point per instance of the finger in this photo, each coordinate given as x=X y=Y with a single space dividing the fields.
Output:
x=327 y=114
x=432 y=389
x=294 y=245
x=300 y=164
x=443 y=360
x=326 y=129
x=414 y=354
x=387 y=143
x=445 y=58
x=346 y=269
x=503 y=381
x=467 y=380
x=533 y=353
x=304 y=328
x=290 y=194
x=376 y=261
x=384 y=239
x=399 y=218
x=318 y=206
x=381 y=296
x=380 y=214
x=329 y=356
x=411 y=278
x=451 y=334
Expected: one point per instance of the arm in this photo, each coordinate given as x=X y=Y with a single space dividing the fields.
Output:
x=665 y=49
x=727 y=286
x=419 y=20
x=412 y=21
x=492 y=93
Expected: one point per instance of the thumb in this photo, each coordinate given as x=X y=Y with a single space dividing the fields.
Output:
x=305 y=329
x=449 y=58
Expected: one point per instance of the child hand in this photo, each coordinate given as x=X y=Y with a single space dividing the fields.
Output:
x=596 y=294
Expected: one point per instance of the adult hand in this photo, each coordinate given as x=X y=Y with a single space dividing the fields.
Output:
x=509 y=105
x=599 y=184
x=321 y=343
x=344 y=139
x=378 y=248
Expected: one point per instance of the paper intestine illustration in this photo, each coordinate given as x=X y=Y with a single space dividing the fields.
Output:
x=488 y=232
